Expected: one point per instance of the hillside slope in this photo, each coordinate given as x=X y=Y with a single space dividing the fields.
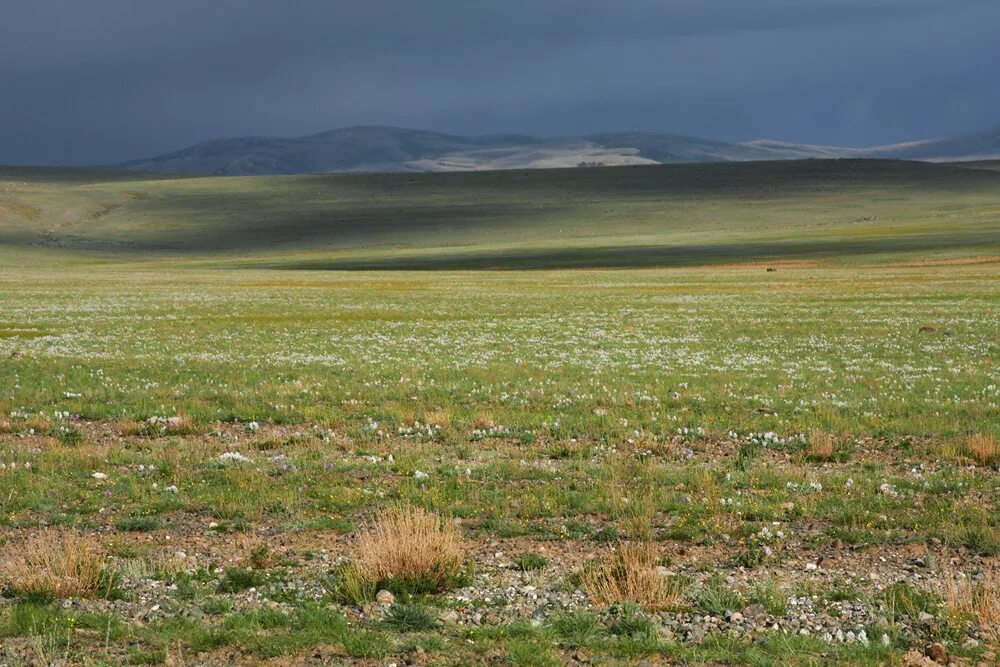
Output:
x=627 y=216
x=397 y=149
x=377 y=149
x=982 y=145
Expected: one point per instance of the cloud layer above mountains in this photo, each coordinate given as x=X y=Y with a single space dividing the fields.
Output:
x=107 y=80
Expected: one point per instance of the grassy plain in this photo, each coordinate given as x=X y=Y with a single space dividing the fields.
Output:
x=783 y=377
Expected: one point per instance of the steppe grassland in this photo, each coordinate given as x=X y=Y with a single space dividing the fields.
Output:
x=795 y=466
x=552 y=411
x=554 y=354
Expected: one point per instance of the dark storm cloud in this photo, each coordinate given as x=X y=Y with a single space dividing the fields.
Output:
x=90 y=81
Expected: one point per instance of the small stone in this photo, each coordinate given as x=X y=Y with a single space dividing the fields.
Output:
x=385 y=597
x=580 y=656
x=924 y=617
x=970 y=644
x=99 y=475
x=754 y=611
x=937 y=652
x=420 y=474
x=449 y=616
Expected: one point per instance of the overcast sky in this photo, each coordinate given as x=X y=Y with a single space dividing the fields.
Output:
x=99 y=81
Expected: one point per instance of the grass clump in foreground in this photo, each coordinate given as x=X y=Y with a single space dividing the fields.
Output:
x=410 y=550
x=985 y=449
x=976 y=600
x=630 y=574
x=53 y=563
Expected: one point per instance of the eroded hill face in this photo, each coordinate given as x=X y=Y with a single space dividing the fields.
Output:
x=630 y=216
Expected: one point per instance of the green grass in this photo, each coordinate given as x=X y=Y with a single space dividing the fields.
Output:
x=665 y=389
x=674 y=215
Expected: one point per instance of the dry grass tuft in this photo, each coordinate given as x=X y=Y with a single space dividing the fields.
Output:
x=630 y=575
x=37 y=424
x=821 y=445
x=438 y=417
x=979 y=600
x=483 y=421
x=53 y=563
x=983 y=448
x=411 y=545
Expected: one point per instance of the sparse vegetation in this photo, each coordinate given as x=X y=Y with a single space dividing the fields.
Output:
x=530 y=562
x=967 y=598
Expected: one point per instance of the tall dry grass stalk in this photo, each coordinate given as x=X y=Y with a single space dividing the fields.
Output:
x=411 y=544
x=53 y=562
x=976 y=599
x=821 y=445
x=985 y=449
x=630 y=575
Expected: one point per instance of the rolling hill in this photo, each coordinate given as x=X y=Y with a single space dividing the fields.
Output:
x=982 y=145
x=645 y=215
x=381 y=149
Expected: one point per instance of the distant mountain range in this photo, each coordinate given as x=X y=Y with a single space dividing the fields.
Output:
x=376 y=148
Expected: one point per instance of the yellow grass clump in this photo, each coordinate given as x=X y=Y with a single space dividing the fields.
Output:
x=53 y=563
x=985 y=449
x=979 y=600
x=411 y=545
x=483 y=421
x=821 y=445
x=438 y=417
x=630 y=575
